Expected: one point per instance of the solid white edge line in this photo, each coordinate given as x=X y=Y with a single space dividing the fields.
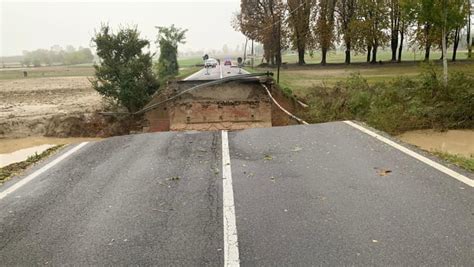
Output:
x=283 y=109
x=43 y=169
x=192 y=75
x=231 y=247
x=415 y=155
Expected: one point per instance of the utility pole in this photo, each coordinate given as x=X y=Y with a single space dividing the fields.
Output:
x=469 y=39
x=253 y=55
x=245 y=49
x=445 y=54
x=279 y=52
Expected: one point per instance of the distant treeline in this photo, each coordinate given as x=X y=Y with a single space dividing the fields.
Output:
x=360 y=26
x=57 y=55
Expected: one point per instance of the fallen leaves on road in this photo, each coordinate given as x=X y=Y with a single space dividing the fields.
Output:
x=296 y=149
x=383 y=172
x=267 y=157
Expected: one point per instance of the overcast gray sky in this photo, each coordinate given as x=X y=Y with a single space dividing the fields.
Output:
x=42 y=24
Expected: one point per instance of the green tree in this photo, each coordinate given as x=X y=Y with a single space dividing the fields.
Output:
x=26 y=59
x=261 y=20
x=324 y=33
x=168 y=40
x=371 y=27
x=125 y=71
x=395 y=19
x=346 y=14
x=407 y=19
x=425 y=33
x=458 y=10
x=299 y=21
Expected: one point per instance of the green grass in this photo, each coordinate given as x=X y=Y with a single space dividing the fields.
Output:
x=53 y=71
x=15 y=168
x=189 y=61
x=458 y=160
x=384 y=55
x=185 y=72
x=300 y=80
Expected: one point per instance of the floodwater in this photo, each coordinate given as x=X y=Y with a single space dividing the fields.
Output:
x=22 y=154
x=453 y=141
x=16 y=150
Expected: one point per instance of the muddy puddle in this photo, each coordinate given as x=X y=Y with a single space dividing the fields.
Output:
x=19 y=149
x=453 y=141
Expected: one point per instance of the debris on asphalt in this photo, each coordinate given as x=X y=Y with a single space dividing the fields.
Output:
x=296 y=149
x=200 y=149
x=267 y=157
x=383 y=172
x=174 y=178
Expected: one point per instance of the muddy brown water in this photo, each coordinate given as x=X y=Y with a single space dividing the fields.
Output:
x=453 y=141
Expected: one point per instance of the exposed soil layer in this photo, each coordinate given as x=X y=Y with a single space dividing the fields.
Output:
x=233 y=105
x=33 y=106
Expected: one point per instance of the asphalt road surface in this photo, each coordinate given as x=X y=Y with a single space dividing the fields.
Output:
x=219 y=72
x=325 y=194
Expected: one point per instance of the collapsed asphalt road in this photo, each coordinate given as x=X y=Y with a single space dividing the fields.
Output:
x=326 y=194
x=219 y=72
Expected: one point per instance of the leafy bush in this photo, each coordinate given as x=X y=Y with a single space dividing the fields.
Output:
x=168 y=40
x=125 y=73
x=398 y=105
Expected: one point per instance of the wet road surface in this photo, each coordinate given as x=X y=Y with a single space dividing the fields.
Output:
x=219 y=72
x=325 y=194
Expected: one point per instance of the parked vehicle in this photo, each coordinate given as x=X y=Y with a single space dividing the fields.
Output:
x=210 y=63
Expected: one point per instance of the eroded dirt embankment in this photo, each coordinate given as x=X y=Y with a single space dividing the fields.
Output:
x=31 y=106
x=68 y=106
x=55 y=106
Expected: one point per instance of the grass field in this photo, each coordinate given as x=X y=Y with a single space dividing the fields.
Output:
x=189 y=61
x=300 y=79
x=186 y=71
x=69 y=71
x=53 y=71
x=383 y=55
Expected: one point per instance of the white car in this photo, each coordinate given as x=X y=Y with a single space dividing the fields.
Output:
x=210 y=63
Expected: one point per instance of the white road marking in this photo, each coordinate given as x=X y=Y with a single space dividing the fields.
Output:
x=46 y=167
x=190 y=77
x=220 y=66
x=282 y=108
x=415 y=155
x=231 y=246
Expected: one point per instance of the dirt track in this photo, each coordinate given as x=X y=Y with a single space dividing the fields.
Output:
x=27 y=105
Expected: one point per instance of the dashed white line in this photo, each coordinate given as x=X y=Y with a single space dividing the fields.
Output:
x=46 y=167
x=415 y=155
x=220 y=66
x=231 y=246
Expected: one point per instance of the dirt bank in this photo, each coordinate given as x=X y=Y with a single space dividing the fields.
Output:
x=27 y=106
